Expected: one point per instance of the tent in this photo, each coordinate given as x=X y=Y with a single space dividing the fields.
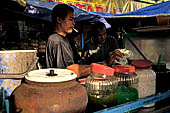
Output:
x=42 y=10
x=151 y=1
x=149 y=11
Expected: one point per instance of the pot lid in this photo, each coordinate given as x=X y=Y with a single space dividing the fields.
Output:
x=102 y=69
x=51 y=75
x=17 y=51
x=142 y=63
x=124 y=68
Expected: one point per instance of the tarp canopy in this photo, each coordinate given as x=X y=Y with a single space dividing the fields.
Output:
x=34 y=8
x=151 y=1
x=42 y=10
x=39 y=8
x=102 y=6
x=149 y=11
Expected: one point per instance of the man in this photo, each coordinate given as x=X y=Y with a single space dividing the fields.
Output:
x=59 y=53
x=100 y=47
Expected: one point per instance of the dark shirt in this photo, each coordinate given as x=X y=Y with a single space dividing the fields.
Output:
x=98 y=53
x=59 y=53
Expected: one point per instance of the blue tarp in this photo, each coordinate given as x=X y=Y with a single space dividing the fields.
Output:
x=42 y=9
x=149 y=11
x=39 y=9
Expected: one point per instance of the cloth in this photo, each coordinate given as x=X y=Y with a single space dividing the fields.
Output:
x=80 y=70
x=94 y=53
x=59 y=53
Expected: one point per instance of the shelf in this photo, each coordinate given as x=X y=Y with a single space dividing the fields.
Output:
x=146 y=35
x=136 y=104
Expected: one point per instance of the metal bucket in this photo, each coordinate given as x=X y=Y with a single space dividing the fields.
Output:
x=14 y=65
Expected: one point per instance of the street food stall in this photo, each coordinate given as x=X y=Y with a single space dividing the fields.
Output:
x=133 y=87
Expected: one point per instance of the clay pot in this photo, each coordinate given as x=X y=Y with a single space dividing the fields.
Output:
x=45 y=93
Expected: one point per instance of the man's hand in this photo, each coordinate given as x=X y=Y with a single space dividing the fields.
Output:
x=112 y=56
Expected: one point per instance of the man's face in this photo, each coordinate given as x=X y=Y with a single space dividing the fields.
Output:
x=100 y=35
x=68 y=23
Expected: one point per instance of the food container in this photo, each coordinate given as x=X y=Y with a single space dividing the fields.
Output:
x=14 y=64
x=101 y=87
x=49 y=91
x=163 y=20
x=147 y=79
x=128 y=83
x=126 y=75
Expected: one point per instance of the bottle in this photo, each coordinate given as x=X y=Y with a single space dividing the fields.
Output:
x=162 y=77
x=162 y=81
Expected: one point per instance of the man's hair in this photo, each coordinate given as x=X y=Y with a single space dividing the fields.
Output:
x=99 y=25
x=60 y=10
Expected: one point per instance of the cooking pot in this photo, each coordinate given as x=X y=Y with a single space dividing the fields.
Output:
x=49 y=91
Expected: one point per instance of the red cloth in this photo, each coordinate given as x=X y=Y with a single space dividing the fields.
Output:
x=80 y=70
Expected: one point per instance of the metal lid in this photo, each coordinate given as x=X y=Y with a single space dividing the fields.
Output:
x=51 y=75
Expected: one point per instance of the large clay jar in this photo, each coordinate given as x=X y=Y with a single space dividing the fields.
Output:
x=49 y=91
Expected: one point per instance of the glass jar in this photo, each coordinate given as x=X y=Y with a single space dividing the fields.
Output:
x=126 y=75
x=128 y=83
x=101 y=87
x=147 y=83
